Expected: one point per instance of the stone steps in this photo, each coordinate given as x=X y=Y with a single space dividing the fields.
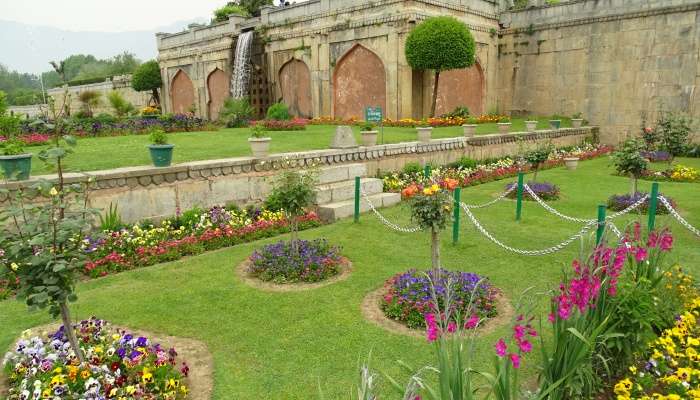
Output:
x=343 y=209
x=340 y=191
x=341 y=173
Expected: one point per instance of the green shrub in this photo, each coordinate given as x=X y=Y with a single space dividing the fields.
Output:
x=278 y=112
x=9 y=125
x=628 y=160
x=412 y=168
x=221 y=14
x=147 y=77
x=3 y=103
x=464 y=163
x=120 y=106
x=158 y=136
x=236 y=113
x=89 y=99
x=458 y=112
x=674 y=132
x=111 y=220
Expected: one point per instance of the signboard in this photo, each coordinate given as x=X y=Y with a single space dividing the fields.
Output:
x=374 y=114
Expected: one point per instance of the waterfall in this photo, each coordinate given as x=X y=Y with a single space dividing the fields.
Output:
x=240 y=79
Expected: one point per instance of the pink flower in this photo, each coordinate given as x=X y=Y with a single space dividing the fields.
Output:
x=472 y=322
x=666 y=242
x=501 y=348
x=515 y=360
x=451 y=327
x=518 y=332
x=551 y=318
x=525 y=346
x=641 y=254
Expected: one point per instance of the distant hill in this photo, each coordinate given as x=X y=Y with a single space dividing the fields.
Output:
x=29 y=48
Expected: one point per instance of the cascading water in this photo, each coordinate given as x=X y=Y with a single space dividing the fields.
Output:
x=240 y=78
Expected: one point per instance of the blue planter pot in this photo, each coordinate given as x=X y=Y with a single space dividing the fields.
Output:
x=16 y=168
x=161 y=154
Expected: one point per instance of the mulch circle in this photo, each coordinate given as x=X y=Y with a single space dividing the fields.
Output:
x=200 y=380
x=250 y=280
x=372 y=312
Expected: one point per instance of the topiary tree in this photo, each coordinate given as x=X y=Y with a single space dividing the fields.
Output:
x=440 y=44
x=537 y=157
x=147 y=77
x=628 y=160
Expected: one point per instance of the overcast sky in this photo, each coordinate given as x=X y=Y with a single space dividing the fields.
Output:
x=106 y=16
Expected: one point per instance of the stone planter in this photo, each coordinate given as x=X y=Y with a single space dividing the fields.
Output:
x=424 y=134
x=576 y=122
x=504 y=127
x=531 y=126
x=161 y=154
x=555 y=123
x=469 y=130
x=571 y=163
x=369 y=138
x=17 y=167
x=260 y=146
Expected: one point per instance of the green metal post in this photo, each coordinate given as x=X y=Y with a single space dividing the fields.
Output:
x=653 y=205
x=455 y=223
x=519 y=204
x=601 y=224
x=357 y=199
x=427 y=172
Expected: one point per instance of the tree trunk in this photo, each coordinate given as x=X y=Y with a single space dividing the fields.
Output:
x=633 y=179
x=534 y=176
x=68 y=329
x=295 y=235
x=435 y=93
x=435 y=243
x=156 y=97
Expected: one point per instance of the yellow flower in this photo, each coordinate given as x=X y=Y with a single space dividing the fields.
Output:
x=130 y=389
x=53 y=192
x=14 y=266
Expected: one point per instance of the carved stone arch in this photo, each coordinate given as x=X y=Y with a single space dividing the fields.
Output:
x=461 y=87
x=295 y=85
x=181 y=92
x=218 y=90
x=359 y=81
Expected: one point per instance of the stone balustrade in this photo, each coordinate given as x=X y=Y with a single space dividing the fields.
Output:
x=149 y=192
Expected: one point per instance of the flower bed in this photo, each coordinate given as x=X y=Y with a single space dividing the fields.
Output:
x=313 y=261
x=412 y=123
x=619 y=202
x=408 y=297
x=657 y=156
x=489 y=172
x=120 y=366
x=544 y=190
x=679 y=173
x=296 y=124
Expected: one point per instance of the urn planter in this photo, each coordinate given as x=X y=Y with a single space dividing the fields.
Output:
x=260 y=146
x=555 y=124
x=531 y=126
x=16 y=167
x=424 y=134
x=469 y=130
x=571 y=163
x=161 y=154
x=504 y=127
x=576 y=122
x=369 y=138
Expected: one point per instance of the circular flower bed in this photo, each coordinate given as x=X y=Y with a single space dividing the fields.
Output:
x=657 y=156
x=409 y=297
x=544 y=190
x=119 y=365
x=313 y=261
x=619 y=202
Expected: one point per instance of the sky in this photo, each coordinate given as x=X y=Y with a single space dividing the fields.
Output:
x=104 y=15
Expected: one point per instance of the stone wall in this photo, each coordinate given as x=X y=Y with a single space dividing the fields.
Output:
x=148 y=192
x=28 y=111
x=612 y=60
x=121 y=84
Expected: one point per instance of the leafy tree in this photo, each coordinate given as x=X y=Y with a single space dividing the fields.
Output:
x=628 y=160
x=293 y=192
x=537 y=157
x=147 y=77
x=245 y=8
x=3 y=103
x=674 y=132
x=440 y=44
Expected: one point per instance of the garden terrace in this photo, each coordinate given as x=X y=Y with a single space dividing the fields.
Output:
x=295 y=342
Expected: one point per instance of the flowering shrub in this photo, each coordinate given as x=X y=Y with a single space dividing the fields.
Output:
x=148 y=110
x=120 y=366
x=296 y=124
x=679 y=173
x=657 y=156
x=619 y=202
x=543 y=190
x=313 y=261
x=409 y=296
x=509 y=353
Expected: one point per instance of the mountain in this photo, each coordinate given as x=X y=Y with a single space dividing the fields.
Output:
x=29 y=48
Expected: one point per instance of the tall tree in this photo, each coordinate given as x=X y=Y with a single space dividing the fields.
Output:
x=147 y=77
x=440 y=44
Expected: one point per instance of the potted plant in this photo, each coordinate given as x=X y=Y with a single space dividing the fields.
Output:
x=369 y=134
x=504 y=125
x=15 y=162
x=259 y=144
x=161 y=151
x=425 y=132
x=571 y=163
x=577 y=120
x=555 y=124
x=531 y=125
x=470 y=127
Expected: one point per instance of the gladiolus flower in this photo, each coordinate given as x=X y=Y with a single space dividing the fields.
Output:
x=501 y=348
x=515 y=360
x=472 y=322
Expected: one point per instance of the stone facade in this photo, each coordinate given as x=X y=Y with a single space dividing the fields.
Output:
x=148 y=192
x=121 y=84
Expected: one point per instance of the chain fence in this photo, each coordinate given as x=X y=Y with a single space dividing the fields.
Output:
x=677 y=216
x=384 y=220
x=554 y=211
x=492 y=202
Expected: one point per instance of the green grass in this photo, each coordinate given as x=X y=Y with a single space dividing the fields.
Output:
x=100 y=153
x=284 y=345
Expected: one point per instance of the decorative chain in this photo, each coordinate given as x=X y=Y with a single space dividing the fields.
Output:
x=630 y=208
x=541 y=252
x=383 y=218
x=677 y=216
x=492 y=202
x=552 y=210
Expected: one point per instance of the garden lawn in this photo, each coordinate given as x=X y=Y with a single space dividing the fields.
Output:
x=288 y=345
x=100 y=153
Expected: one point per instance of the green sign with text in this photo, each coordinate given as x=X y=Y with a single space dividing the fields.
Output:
x=373 y=114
